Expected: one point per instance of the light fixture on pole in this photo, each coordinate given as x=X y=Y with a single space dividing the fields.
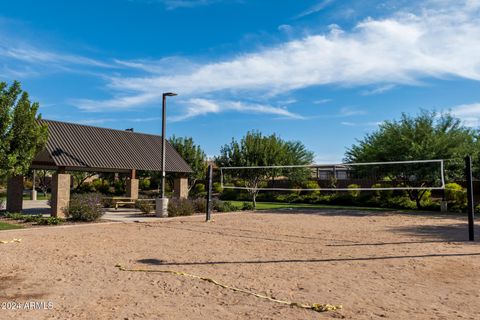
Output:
x=162 y=202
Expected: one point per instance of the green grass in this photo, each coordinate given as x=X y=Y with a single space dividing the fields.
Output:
x=281 y=205
x=40 y=196
x=9 y=226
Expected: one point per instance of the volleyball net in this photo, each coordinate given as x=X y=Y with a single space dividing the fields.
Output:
x=395 y=175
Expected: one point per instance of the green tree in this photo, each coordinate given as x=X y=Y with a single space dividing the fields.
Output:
x=428 y=135
x=80 y=177
x=21 y=136
x=254 y=149
x=193 y=155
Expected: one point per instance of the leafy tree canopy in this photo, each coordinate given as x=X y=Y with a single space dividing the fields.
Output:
x=255 y=149
x=428 y=135
x=193 y=155
x=21 y=137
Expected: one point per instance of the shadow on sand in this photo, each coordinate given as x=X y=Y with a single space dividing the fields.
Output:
x=152 y=261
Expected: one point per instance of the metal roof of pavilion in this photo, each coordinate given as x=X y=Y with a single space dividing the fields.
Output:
x=87 y=148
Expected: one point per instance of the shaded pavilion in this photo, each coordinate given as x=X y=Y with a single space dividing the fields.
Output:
x=75 y=147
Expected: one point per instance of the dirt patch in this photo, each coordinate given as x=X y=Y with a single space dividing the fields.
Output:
x=377 y=265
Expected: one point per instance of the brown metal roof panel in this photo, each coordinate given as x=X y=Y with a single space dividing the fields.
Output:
x=74 y=145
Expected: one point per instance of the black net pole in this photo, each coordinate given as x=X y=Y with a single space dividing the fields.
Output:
x=470 y=209
x=209 y=193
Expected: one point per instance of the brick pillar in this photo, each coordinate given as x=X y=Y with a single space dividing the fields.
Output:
x=15 y=194
x=180 y=187
x=60 y=194
x=132 y=188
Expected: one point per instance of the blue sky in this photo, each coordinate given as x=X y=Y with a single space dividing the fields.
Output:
x=322 y=72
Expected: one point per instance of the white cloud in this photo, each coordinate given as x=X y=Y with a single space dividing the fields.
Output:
x=148 y=119
x=322 y=101
x=403 y=49
x=38 y=56
x=468 y=113
x=197 y=107
x=378 y=90
x=95 y=121
x=315 y=8
x=348 y=111
x=121 y=102
x=361 y=124
x=174 y=4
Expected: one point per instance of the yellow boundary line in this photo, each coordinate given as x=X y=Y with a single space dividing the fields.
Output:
x=315 y=307
x=10 y=241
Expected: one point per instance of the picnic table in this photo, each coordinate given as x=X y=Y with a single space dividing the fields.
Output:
x=117 y=201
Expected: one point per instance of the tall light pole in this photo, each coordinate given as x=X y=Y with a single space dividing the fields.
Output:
x=162 y=205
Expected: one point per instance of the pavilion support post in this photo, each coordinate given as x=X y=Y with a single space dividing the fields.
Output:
x=132 y=186
x=180 y=187
x=33 y=193
x=60 y=193
x=15 y=194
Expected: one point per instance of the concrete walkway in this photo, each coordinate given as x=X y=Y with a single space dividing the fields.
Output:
x=122 y=214
x=36 y=207
x=129 y=215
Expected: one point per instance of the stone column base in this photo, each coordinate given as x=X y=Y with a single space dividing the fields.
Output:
x=180 y=187
x=15 y=194
x=161 y=207
x=60 y=194
x=132 y=189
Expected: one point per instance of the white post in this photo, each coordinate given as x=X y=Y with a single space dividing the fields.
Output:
x=33 y=193
x=161 y=207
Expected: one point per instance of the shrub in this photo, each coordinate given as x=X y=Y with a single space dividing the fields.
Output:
x=456 y=194
x=145 y=184
x=50 y=221
x=145 y=206
x=224 y=206
x=311 y=198
x=199 y=187
x=426 y=199
x=311 y=185
x=247 y=206
x=85 y=187
x=101 y=186
x=119 y=188
x=235 y=194
x=217 y=187
x=401 y=202
x=477 y=209
x=381 y=195
x=14 y=216
x=353 y=193
x=202 y=194
x=85 y=207
x=290 y=197
x=32 y=218
x=108 y=203
x=27 y=184
x=200 y=205
x=180 y=207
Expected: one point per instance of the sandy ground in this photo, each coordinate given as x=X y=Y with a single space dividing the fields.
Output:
x=377 y=265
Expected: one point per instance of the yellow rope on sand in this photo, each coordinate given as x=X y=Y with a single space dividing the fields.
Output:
x=315 y=307
x=10 y=241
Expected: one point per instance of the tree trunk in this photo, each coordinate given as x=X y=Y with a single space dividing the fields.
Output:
x=417 y=200
x=254 y=200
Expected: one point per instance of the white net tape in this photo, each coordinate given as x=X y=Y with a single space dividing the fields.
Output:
x=394 y=175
